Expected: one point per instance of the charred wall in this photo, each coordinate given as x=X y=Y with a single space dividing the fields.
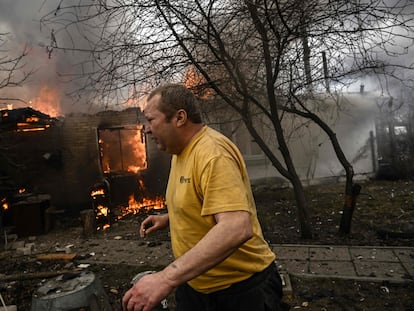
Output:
x=32 y=159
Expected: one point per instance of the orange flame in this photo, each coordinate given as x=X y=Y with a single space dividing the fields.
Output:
x=48 y=101
x=30 y=129
x=138 y=151
x=102 y=210
x=123 y=149
x=194 y=79
x=105 y=226
x=32 y=119
x=135 y=207
x=96 y=192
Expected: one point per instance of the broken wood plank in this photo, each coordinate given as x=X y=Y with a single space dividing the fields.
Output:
x=88 y=218
x=9 y=308
x=56 y=256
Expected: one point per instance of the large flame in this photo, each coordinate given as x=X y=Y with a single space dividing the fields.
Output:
x=138 y=149
x=122 y=149
x=48 y=101
x=103 y=212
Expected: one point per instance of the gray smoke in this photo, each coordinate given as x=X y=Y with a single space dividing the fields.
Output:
x=20 y=20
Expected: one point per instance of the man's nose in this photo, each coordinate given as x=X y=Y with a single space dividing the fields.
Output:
x=147 y=129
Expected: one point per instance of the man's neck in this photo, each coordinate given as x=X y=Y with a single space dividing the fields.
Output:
x=190 y=132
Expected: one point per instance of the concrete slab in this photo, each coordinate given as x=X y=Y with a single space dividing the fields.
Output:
x=340 y=253
x=373 y=254
x=293 y=266
x=291 y=252
x=332 y=268
x=363 y=262
x=130 y=252
x=389 y=270
x=409 y=266
x=404 y=254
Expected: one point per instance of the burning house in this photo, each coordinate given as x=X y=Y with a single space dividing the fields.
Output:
x=71 y=163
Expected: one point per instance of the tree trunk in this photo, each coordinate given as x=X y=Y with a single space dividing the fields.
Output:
x=351 y=190
x=302 y=208
x=349 y=206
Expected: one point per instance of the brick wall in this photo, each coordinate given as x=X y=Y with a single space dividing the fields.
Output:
x=74 y=141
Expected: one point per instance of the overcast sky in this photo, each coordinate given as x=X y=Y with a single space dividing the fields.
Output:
x=21 y=20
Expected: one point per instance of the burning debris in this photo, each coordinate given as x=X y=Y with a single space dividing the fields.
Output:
x=63 y=158
x=107 y=212
x=4 y=204
x=15 y=200
x=123 y=156
x=25 y=120
x=146 y=205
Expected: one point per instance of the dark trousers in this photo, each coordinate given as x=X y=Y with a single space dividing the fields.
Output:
x=261 y=292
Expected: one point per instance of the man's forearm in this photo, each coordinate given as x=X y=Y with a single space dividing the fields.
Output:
x=230 y=232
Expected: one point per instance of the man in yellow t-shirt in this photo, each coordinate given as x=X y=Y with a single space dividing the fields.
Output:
x=222 y=261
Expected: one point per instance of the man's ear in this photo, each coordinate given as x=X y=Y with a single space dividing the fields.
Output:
x=181 y=117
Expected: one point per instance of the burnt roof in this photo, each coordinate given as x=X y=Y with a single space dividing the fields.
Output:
x=10 y=119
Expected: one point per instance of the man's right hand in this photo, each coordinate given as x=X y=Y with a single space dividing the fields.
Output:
x=153 y=223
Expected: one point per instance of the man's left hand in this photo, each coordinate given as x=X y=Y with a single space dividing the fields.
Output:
x=147 y=293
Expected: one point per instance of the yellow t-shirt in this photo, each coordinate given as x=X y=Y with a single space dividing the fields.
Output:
x=210 y=177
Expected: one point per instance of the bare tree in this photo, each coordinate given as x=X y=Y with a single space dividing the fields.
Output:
x=12 y=74
x=12 y=68
x=265 y=60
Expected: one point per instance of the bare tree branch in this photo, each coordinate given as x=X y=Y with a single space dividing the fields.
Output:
x=263 y=59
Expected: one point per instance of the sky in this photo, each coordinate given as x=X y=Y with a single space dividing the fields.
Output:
x=44 y=90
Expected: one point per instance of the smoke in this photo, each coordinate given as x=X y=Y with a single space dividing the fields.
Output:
x=45 y=90
x=394 y=48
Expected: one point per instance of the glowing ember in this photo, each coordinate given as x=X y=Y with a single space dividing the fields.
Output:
x=102 y=211
x=33 y=129
x=94 y=193
x=32 y=119
x=4 y=204
x=106 y=226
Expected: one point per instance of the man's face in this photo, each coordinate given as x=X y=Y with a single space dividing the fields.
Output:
x=163 y=132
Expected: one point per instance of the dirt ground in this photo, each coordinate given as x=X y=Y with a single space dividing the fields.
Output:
x=384 y=215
